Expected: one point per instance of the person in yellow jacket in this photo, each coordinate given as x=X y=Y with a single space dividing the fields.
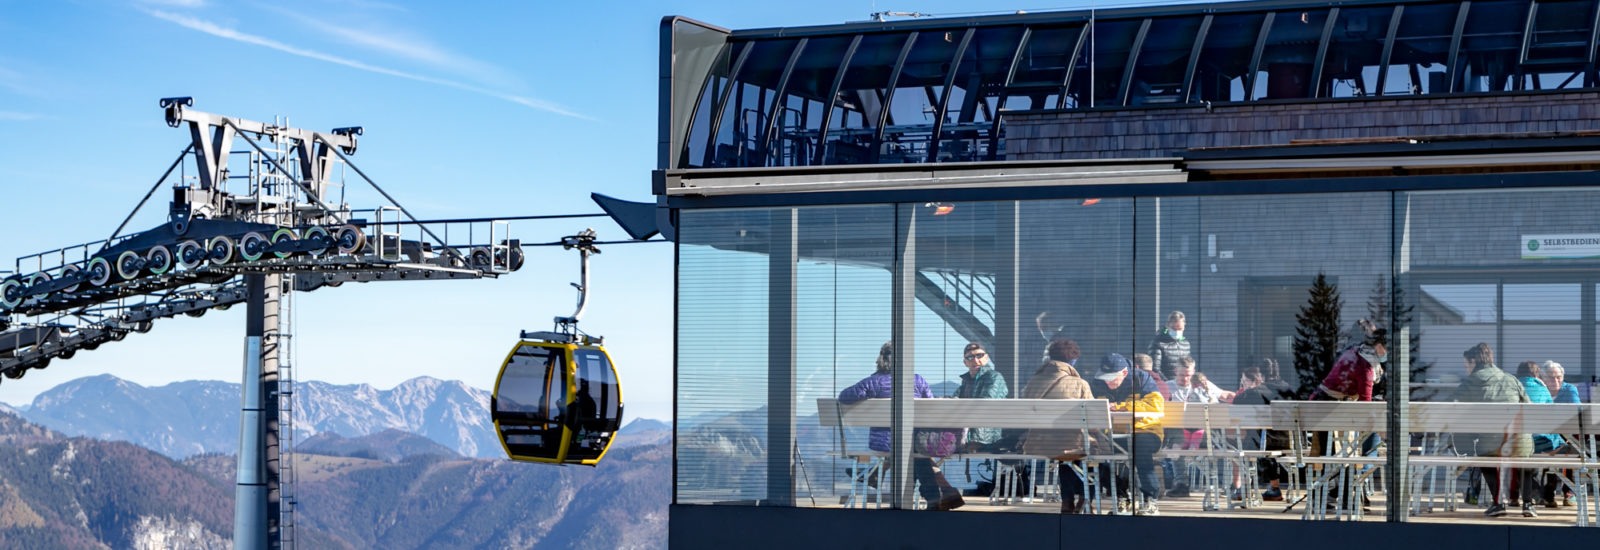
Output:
x=1134 y=390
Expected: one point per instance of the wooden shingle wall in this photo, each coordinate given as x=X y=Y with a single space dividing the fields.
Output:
x=1168 y=132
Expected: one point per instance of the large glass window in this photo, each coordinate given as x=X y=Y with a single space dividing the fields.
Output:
x=1558 y=47
x=857 y=108
x=1290 y=55
x=1223 y=72
x=1097 y=75
x=721 y=425
x=796 y=128
x=1042 y=70
x=1164 y=61
x=1491 y=45
x=1417 y=64
x=970 y=109
x=1355 y=52
x=914 y=101
x=1007 y=324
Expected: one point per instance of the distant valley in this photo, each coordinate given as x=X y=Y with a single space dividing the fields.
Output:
x=402 y=468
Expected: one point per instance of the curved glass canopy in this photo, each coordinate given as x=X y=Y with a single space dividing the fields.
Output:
x=938 y=90
x=557 y=403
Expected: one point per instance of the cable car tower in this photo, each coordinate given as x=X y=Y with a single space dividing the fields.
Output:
x=248 y=223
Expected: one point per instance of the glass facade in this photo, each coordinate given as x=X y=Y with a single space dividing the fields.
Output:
x=939 y=91
x=892 y=355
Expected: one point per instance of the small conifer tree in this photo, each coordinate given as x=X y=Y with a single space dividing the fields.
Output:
x=1378 y=310
x=1317 y=338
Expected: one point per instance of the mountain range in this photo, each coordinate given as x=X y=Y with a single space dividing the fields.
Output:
x=194 y=417
x=75 y=492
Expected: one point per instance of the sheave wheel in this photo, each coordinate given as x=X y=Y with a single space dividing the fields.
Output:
x=480 y=258
x=10 y=293
x=252 y=246
x=37 y=279
x=158 y=260
x=318 y=237
x=190 y=255
x=99 y=271
x=129 y=264
x=71 y=270
x=349 y=239
x=220 y=250
x=283 y=236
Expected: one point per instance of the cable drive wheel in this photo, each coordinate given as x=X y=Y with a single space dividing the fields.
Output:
x=220 y=250
x=71 y=271
x=39 y=278
x=129 y=264
x=158 y=260
x=190 y=255
x=252 y=246
x=480 y=258
x=349 y=239
x=99 y=271
x=317 y=237
x=10 y=293
x=284 y=237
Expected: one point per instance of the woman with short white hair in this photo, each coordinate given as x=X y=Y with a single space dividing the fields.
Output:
x=1554 y=377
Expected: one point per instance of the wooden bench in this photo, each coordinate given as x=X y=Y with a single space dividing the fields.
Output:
x=1574 y=421
x=1089 y=416
x=1224 y=452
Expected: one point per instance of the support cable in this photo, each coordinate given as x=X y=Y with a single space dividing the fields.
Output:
x=147 y=195
x=352 y=165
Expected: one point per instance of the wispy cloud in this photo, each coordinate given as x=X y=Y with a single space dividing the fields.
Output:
x=13 y=115
x=409 y=47
x=18 y=84
x=176 y=3
x=238 y=36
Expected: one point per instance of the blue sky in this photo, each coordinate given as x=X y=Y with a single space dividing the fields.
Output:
x=471 y=110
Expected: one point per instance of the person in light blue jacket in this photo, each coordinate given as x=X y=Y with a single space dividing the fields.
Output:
x=1528 y=374
x=1554 y=377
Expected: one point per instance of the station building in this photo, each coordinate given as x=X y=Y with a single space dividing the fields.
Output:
x=1013 y=179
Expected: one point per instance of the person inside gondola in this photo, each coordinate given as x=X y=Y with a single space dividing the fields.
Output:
x=880 y=385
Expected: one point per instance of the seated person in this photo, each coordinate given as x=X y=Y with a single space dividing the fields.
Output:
x=1132 y=390
x=980 y=381
x=1486 y=383
x=930 y=482
x=1058 y=379
x=1263 y=384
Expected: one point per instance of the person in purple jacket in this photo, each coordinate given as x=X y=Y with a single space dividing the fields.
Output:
x=931 y=484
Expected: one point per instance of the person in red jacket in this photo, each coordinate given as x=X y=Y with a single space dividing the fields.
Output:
x=1358 y=368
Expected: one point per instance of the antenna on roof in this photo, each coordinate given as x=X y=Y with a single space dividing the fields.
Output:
x=883 y=16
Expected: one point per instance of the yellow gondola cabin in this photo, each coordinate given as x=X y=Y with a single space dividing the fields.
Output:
x=557 y=400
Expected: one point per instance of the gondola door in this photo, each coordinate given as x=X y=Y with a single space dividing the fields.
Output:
x=530 y=402
x=596 y=406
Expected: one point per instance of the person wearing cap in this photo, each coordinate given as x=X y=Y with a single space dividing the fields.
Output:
x=980 y=382
x=1058 y=379
x=1133 y=390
